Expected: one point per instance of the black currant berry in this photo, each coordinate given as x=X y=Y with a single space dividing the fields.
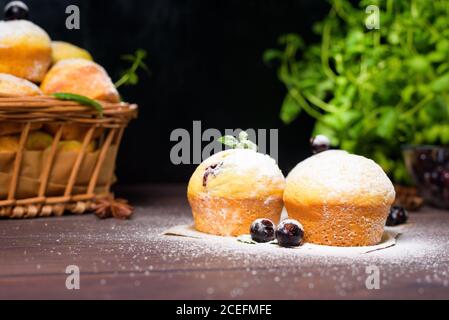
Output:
x=290 y=233
x=16 y=10
x=320 y=143
x=398 y=215
x=262 y=230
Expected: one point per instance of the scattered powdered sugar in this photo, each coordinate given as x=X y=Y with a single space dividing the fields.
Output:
x=166 y=266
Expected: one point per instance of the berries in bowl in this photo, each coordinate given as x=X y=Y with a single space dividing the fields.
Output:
x=429 y=168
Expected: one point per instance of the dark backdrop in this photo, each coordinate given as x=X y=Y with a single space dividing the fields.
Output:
x=206 y=62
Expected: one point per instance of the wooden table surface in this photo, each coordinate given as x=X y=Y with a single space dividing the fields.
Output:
x=130 y=259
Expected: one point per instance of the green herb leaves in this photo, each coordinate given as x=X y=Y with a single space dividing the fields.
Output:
x=290 y=109
x=241 y=143
x=441 y=84
x=372 y=91
x=81 y=100
x=387 y=123
x=130 y=76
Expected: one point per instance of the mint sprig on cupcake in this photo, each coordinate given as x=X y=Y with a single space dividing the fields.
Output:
x=242 y=142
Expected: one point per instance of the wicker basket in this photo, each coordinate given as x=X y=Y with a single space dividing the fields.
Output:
x=48 y=199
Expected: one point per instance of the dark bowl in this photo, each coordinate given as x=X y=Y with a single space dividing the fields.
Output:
x=429 y=168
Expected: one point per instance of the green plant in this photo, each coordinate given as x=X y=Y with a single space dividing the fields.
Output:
x=372 y=91
x=242 y=142
x=130 y=76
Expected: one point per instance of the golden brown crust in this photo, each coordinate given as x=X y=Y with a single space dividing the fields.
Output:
x=339 y=198
x=80 y=76
x=25 y=50
x=339 y=225
x=232 y=217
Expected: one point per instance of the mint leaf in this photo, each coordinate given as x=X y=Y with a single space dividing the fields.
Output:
x=387 y=123
x=241 y=143
x=130 y=76
x=289 y=110
x=246 y=238
x=441 y=84
x=229 y=141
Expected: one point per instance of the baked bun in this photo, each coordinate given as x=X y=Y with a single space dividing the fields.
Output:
x=72 y=131
x=80 y=76
x=232 y=188
x=25 y=50
x=11 y=86
x=9 y=144
x=341 y=199
x=64 y=50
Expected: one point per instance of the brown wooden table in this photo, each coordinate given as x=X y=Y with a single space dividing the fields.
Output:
x=129 y=259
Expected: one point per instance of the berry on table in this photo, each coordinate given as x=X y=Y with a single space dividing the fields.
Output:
x=398 y=215
x=262 y=230
x=290 y=233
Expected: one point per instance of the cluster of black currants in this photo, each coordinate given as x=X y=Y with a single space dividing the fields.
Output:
x=289 y=233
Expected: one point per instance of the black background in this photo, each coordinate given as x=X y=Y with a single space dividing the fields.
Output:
x=206 y=63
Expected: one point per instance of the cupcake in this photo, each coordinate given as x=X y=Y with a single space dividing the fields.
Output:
x=25 y=50
x=11 y=86
x=341 y=199
x=80 y=76
x=232 y=188
x=64 y=50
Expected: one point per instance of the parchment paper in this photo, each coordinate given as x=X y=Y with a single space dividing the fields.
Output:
x=33 y=163
x=188 y=231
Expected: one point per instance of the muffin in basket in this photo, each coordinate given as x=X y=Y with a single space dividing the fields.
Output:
x=25 y=50
x=12 y=86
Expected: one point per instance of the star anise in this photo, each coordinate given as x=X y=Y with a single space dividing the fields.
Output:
x=110 y=207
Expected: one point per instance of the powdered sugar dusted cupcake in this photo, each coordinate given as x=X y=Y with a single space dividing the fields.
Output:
x=25 y=50
x=80 y=76
x=341 y=199
x=232 y=188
